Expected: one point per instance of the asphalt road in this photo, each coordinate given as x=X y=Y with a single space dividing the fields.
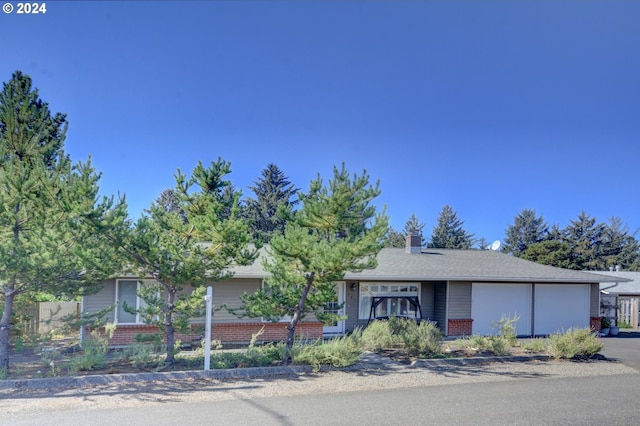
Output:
x=625 y=347
x=570 y=401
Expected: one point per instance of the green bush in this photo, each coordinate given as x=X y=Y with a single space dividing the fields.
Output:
x=506 y=329
x=377 y=336
x=423 y=340
x=536 y=346
x=337 y=352
x=94 y=350
x=575 y=342
x=143 y=355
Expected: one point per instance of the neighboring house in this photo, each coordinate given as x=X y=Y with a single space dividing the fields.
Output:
x=464 y=291
x=620 y=300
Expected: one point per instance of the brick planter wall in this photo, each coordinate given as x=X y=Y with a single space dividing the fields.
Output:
x=460 y=327
x=595 y=323
x=226 y=333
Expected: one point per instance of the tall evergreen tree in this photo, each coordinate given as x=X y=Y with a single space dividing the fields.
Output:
x=619 y=246
x=46 y=208
x=527 y=229
x=585 y=237
x=184 y=247
x=449 y=233
x=414 y=226
x=336 y=230
x=394 y=239
x=273 y=192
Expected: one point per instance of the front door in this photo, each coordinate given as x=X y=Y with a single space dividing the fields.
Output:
x=338 y=327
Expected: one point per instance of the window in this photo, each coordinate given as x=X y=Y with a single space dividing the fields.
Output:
x=126 y=292
x=390 y=307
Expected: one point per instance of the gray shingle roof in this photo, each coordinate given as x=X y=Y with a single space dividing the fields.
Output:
x=451 y=265
x=628 y=282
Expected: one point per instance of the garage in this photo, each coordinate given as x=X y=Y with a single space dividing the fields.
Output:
x=491 y=301
x=559 y=307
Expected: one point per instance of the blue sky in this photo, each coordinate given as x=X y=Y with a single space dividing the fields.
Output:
x=488 y=106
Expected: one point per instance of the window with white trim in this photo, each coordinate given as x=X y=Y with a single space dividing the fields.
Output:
x=127 y=292
x=392 y=306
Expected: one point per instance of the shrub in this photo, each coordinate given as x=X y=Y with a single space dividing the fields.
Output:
x=535 y=345
x=94 y=350
x=574 y=343
x=337 y=352
x=142 y=355
x=506 y=328
x=377 y=336
x=423 y=340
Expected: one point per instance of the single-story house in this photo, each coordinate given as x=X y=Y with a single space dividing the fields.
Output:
x=620 y=300
x=464 y=291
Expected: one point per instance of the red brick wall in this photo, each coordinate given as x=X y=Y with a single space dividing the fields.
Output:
x=460 y=327
x=226 y=333
x=595 y=323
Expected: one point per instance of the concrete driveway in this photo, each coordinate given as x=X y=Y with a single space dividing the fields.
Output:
x=625 y=347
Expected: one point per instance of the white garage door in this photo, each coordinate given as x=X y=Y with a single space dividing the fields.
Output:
x=560 y=307
x=490 y=302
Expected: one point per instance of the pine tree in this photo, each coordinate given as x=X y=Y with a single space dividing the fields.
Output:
x=527 y=229
x=449 y=233
x=195 y=241
x=49 y=208
x=584 y=236
x=273 y=192
x=394 y=239
x=414 y=226
x=336 y=230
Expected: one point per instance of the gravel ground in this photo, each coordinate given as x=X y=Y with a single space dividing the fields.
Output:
x=370 y=374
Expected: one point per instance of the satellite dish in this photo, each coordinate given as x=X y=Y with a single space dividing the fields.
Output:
x=495 y=245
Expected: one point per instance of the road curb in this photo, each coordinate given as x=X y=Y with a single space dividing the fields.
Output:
x=82 y=381
x=248 y=373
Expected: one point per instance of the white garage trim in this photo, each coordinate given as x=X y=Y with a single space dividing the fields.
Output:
x=559 y=307
x=490 y=302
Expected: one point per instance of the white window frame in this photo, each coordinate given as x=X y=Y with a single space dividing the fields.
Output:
x=117 y=301
x=392 y=289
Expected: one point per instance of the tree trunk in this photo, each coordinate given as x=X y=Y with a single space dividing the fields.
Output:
x=296 y=317
x=5 y=328
x=168 y=326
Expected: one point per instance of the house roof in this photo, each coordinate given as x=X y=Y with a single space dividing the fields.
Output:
x=451 y=265
x=625 y=282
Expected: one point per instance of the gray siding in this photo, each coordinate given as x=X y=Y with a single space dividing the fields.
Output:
x=440 y=305
x=105 y=297
x=459 y=300
x=427 y=300
x=228 y=293
x=595 y=300
x=351 y=306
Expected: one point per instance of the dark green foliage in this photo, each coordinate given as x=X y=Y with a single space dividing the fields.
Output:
x=394 y=239
x=550 y=252
x=273 y=192
x=449 y=233
x=336 y=230
x=187 y=238
x=49 y=208
x=527 y=229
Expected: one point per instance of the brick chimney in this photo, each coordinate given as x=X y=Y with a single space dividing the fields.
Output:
x=413 y=243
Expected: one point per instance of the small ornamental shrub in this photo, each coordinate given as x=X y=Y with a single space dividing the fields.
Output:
x=575 y=342
x=337 y=352
x=377 y=336
x=535 y=346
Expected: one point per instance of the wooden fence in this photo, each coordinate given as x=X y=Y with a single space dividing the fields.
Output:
x=628 y=311
x=43 y=317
